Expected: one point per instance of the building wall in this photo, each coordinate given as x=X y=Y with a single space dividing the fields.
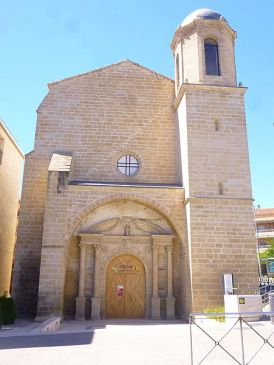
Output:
x=224 y=36
x=128 y=109
x=222 y=240
x=99 y=116
x=10 y=182
x=189 y=41
x=220 y=223
x=215 y=165
x=118 y=109
x=216 y=156
x=60 y=251
x=191 y=59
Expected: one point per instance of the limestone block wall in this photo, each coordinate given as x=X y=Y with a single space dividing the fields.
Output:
x=81 y=201
x=29 y=237
x=224 y=36
x=217 y=183
x=11 y=166
x=190 y=58
x=52 y=269
x=214 y=142
x=120 y=109
x=189 y=42
x=222 y=240
x=102 y=115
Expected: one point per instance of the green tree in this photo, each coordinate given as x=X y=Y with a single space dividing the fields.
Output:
x=270 y=251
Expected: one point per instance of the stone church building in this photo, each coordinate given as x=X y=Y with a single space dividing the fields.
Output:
x=137 y=195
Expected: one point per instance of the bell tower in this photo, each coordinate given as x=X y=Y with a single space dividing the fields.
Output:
x=203 y=47
x=214 y=158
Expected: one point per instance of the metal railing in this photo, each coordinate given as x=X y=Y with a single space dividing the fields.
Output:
x=234 y=340
x=268 y=290
x=265 y=230
x=266 y=280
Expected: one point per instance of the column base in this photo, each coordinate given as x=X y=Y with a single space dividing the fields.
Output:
x=155 y=308
x=170 y=308
x=80 y=308
x=95 y=308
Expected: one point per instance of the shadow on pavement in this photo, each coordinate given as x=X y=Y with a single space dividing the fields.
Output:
x=62 y=339
x=135 y=322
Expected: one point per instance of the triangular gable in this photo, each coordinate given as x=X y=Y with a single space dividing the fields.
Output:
x=114 y=65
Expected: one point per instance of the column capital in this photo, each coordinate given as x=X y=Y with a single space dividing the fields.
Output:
x=97 y=246
x=91 y=239
x=155 y=247
x=169 y=248
x=162 y=239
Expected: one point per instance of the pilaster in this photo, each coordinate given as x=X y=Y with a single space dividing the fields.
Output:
x=93 y=240
x=81 y=300
x=155 y=300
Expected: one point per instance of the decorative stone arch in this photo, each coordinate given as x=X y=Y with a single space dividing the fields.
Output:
x=121 y=251
x=154 y=246
x=148 y=273
x=152 y=203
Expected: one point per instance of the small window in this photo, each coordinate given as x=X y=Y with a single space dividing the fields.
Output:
x=221 y=188
x=1 y=149
x=217 y=125
x=212 y=65
x=127 y=165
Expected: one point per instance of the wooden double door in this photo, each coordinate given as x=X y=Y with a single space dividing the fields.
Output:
x=125 y=288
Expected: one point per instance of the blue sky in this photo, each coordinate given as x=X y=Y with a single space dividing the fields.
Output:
x=46 y=40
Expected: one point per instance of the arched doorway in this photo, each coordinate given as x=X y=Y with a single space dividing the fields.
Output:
x=125 y=288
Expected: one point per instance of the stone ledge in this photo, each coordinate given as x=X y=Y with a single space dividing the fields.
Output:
x=51 y=324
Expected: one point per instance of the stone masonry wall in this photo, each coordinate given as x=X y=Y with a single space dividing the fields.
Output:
x=218 y=193
x=28 y=245
x=217 y=156
x=222 y=240
x=99 y=116
x=102 y=115
x=192 y=40
x=80 y=201
x=11 y=166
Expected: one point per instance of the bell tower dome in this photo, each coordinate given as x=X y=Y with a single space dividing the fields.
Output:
x=203 y=48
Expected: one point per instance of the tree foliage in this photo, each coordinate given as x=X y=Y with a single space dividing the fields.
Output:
x=270 y=251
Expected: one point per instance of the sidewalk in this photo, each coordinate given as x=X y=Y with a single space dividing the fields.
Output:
x=125 y=343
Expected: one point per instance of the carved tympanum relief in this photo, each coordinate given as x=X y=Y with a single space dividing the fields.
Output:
x=124 y=218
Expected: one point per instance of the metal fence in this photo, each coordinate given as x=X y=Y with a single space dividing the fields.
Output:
x=266 y=280
x=232 y=338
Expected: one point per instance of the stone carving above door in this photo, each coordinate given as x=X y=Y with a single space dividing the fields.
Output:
x=127 y=226
x=124 y=218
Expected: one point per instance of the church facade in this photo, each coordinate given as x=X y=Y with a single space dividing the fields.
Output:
x=137 y=195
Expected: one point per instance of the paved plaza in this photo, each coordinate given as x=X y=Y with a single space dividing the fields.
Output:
x=129 y=342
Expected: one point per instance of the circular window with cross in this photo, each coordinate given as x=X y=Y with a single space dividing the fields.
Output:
x=128 y=165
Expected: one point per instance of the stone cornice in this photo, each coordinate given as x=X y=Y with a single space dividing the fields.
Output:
x=88 y=239
x=193 y=198
x=125 y=185
x=162 y=240
x=186 y=87
x=192 y=27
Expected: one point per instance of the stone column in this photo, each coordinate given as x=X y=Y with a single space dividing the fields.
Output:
x=170 y=300
x=155 y=300
x=81 y=300
x=96 y=300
